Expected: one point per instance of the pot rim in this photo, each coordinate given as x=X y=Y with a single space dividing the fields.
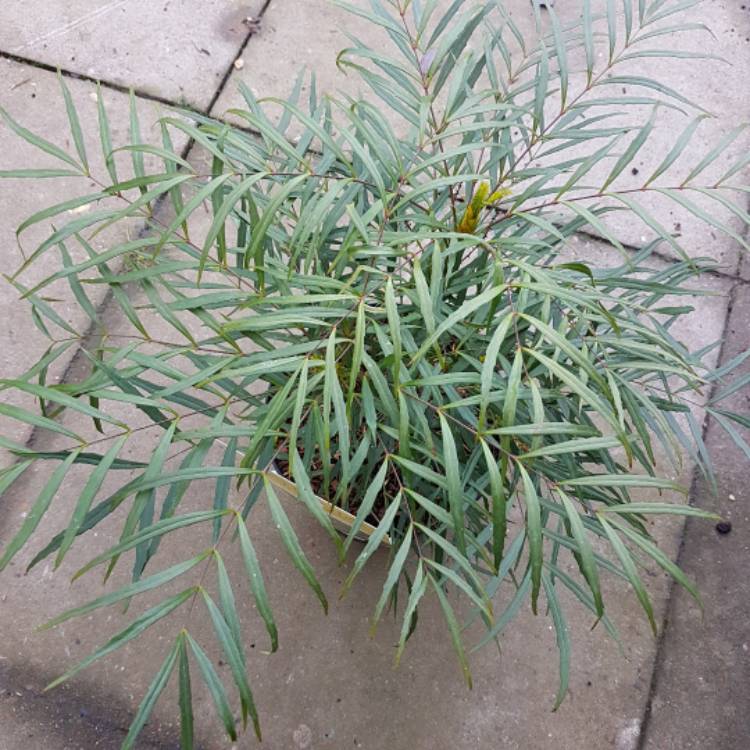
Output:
x=338 y=515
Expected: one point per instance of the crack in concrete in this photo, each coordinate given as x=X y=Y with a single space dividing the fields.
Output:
x=68 y=27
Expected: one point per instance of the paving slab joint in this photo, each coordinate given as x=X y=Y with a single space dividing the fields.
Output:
x=252 y=31
x=73 y=75
x=733 y=275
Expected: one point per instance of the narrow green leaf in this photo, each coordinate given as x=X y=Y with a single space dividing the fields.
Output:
x=454 y=629
x=499 y=504
x=105 y=136
x=480 y=600
x=463 y=312
x=373 y=541
x=679 y=146
x=563 y=640
x=677 y=509
x=11 y=473
x=630 y=570
x=454 y=485
x=658 y=556
x=257 y=586
x=586 y=554
x=289 y=538
x=36 y=420
x=38 y=142
x=215 y=688
x=221 y=493
x=373 y=491
x=226 y=207
x=418 y=588
x=75 y=123
x=577 y=445
x=236 y=662
x=358 y=348
x=534 y=534
x=185 y=699
x=714 y=153
x=510 y=404
x=149 y=700
x=488 y=366
x=312 y=503
x=37 y=511
x=228 y=605
x=133 y=630
x=128 y=591
x=37 y=174
x=135 y=138
x=623 y=480
x=394 y=573
x=394 y=326
x=89 y=492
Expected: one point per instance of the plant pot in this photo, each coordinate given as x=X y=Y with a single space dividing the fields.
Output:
x=341 y=519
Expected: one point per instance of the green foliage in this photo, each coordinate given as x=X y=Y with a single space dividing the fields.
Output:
x=386 y=301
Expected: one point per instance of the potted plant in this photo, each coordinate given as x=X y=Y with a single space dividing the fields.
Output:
x=384 y=314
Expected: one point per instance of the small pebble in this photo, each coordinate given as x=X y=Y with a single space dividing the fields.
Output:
x=723 y=527
x=239 y=63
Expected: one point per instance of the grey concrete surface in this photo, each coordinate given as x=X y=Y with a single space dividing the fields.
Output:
x=330 y=686
x=701 y=687
x=178 y=50
x=720 y=84
x=71 y=719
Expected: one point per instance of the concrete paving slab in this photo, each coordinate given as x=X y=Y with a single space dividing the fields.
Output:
x=178 y=50
x=33 y=97
x=311 y=42
x=327 y=670
x=718 y=87
x=702 y=680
